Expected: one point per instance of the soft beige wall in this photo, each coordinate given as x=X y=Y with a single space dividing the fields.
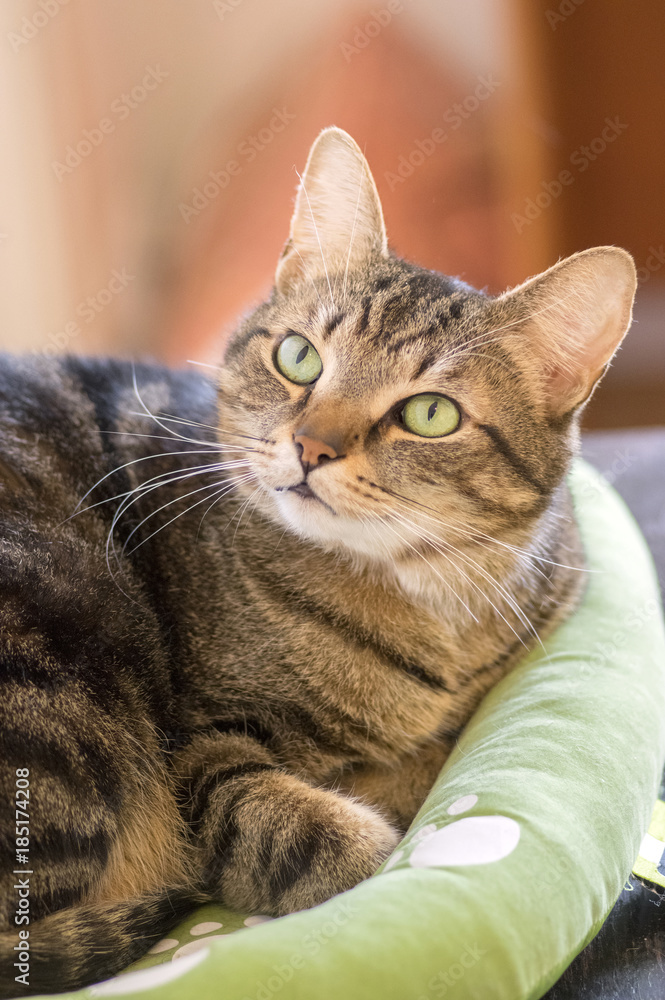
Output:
x=103 y=230
x=62 y=68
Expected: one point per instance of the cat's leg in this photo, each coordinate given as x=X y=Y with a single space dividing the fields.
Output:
x=270 y=842
x=92 y=845
x=85 y=807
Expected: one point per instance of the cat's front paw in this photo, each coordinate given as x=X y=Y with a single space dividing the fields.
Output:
x=297 y=846
x=348 y=847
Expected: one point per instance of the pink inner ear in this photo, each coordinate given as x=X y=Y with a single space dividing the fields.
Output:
x=581 y=361
x=577 y=314
x=591 y=334
x=567 y=388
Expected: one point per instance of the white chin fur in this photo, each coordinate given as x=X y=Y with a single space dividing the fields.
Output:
x=311 y=520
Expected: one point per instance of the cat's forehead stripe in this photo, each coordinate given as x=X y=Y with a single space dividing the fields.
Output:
x=238 y=344
x=426 y=363
x=331 y=325
x=363 y=323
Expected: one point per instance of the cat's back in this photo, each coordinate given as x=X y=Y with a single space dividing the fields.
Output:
x=66 y=422
x=70 y=442
x=78 y=437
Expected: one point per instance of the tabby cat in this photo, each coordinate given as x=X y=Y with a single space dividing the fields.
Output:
x=245 y=618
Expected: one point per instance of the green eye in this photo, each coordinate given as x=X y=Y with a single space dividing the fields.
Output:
x=297 y=360
x=430 y=415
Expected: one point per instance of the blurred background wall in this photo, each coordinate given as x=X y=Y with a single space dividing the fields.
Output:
x=149 y=154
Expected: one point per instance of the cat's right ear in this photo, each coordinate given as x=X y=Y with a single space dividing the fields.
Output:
x=575 y=315
x=338 y=220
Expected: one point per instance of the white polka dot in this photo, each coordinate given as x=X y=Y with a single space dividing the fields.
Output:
x=474 y=840
x=425 y=832
x=164 y=945
x=258 y=919
x=397 y=856
x=147 y=979
x=462 y=805
x=205 y=928
x=193 y=946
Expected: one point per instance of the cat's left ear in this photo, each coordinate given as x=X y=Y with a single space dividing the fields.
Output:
x=338 y=216
x=575 y=316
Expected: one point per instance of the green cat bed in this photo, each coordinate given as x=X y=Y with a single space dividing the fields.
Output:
x=522 y=847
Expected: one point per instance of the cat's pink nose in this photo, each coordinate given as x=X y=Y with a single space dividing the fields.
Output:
x=313 y=452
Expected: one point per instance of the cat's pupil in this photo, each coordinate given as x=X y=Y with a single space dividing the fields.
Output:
x=302 y=354
x=432 y=409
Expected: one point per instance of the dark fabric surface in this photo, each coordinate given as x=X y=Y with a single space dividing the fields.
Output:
x=626 y=961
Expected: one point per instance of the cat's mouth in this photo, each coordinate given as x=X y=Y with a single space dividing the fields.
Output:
x=305 y=491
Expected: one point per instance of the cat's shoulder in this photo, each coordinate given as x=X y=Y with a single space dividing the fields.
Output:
x=57 y=386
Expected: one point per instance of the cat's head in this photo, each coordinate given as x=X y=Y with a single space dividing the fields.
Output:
x=394 y=407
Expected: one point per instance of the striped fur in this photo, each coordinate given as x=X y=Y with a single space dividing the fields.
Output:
x=247 y=692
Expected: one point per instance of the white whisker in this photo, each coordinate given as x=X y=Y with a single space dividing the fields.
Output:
x=143 y=492
x=230 y=488
x=126 y=465
x=353 y=231
x=435 y=544
x=209 y=446
x=196 y=423
x=148 y=413
x=417 y=507
x=309 y=276
x=205 y=513
x=405 y=541
x=171 y=476
x=318 y=238
x=203 y=364
x=242 y=510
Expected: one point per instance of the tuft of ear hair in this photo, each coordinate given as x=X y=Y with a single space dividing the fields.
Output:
x=576 y=314
x=338 y=220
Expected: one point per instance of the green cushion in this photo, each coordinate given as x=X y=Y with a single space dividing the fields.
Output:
x=521 y=848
